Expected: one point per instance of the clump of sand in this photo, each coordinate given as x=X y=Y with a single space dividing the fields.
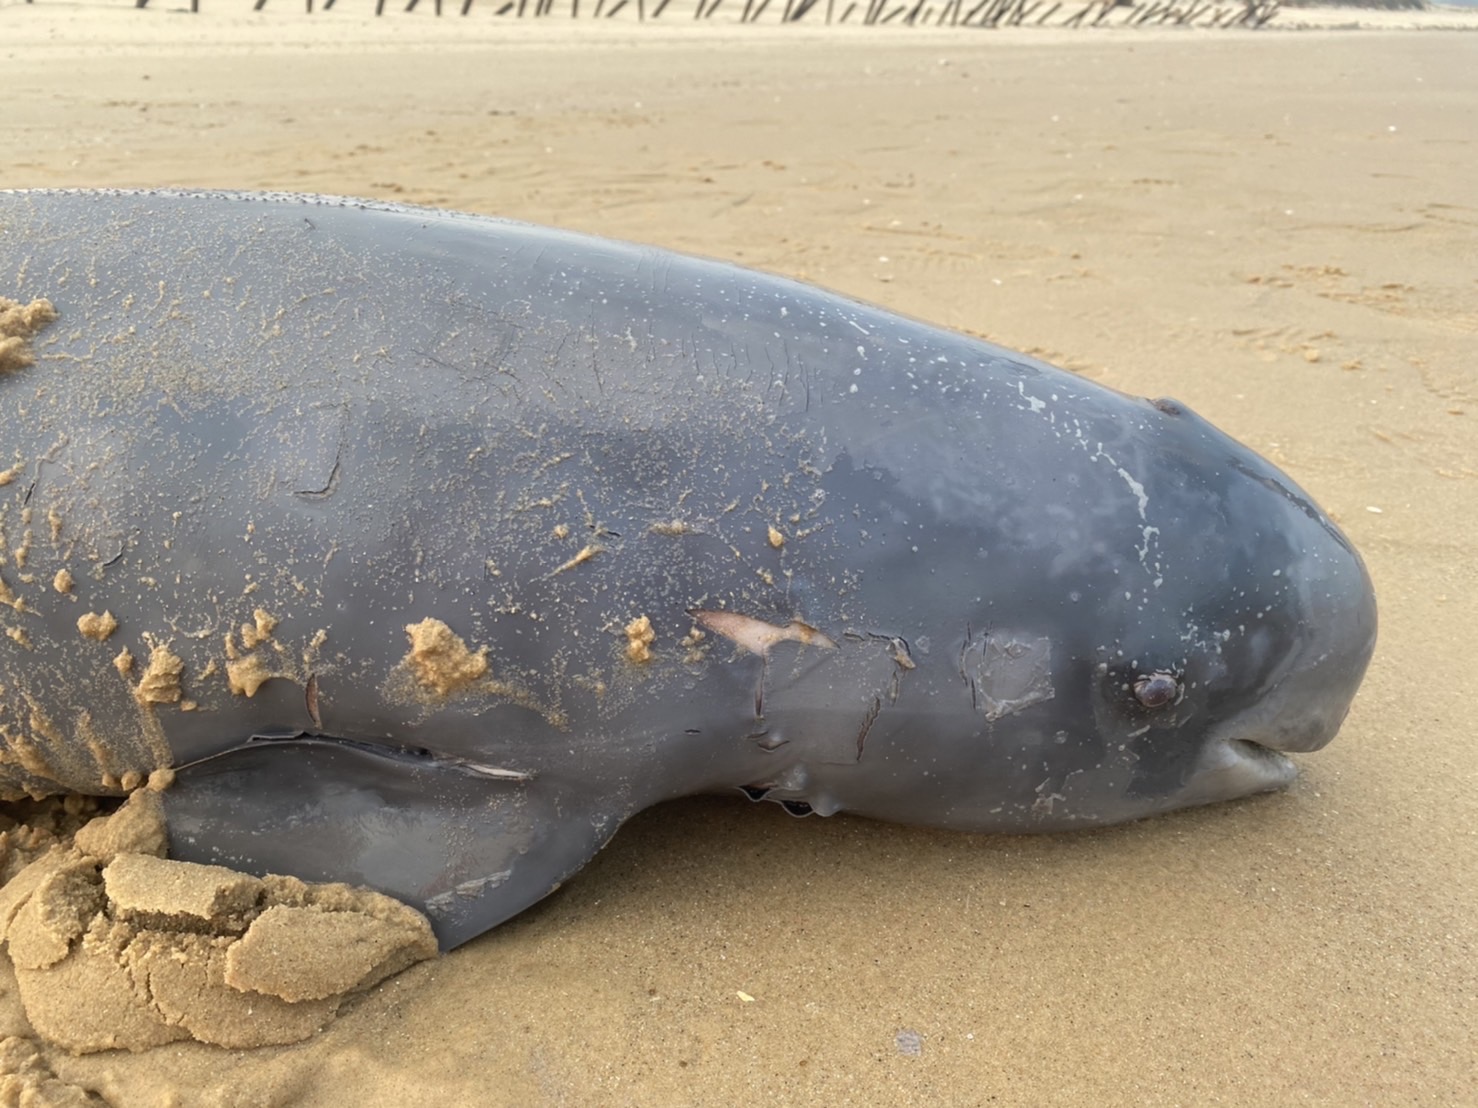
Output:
x=19 y=323
x=114 y=946
x=26 y=1079
x=440 y=661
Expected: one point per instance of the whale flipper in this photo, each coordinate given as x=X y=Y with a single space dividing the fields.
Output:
x=469 y=845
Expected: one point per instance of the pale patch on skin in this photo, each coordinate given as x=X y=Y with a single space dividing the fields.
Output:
x=757 y=636
x=1007 y=673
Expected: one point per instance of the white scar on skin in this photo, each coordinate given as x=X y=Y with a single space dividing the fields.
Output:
x=757 y=636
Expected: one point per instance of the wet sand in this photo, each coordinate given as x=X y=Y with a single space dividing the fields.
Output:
x=1276 y=228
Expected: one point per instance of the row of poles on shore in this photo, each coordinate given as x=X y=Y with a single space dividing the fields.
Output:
x=948 y=13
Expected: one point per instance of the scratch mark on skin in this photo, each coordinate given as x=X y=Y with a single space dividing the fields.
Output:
x=600 y=385
x=757 y=636
x=901 y=656
x=872 y=716
x=122 y=550
x=901 y=653
x=480 y=769
x=434 y=360
x=903 y=659
x=1007 y=672
x=310 y=700
x=330 y=486
x=444 y=902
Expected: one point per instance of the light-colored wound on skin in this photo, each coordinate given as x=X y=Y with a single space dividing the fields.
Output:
x=439 y=660
x=639 y=639
x=98 y=627
x=19 y=323
x=757 y=636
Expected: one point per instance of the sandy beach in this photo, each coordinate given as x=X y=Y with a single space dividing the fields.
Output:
x=1277 y=228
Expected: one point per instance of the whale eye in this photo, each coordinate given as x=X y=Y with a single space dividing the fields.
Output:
x=1156 y=690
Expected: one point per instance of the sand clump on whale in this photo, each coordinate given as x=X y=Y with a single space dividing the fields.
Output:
x=115 y=946
x=18 y=324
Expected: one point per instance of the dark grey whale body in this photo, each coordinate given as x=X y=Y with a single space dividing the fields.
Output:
x=437 y=546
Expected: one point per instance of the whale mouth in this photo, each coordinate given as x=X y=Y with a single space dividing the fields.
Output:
x=1256 y=753
x=1255 y=767
x=1232 y=768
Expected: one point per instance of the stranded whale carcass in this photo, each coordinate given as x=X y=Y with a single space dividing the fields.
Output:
x=429 y=548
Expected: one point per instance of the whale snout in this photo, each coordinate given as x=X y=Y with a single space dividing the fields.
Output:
x=1312 y=652
x=1288 y=604
x=1310 y=703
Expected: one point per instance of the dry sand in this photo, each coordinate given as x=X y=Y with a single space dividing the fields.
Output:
x=1279 y=229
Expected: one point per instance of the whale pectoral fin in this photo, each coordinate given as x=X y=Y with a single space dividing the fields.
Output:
x=469 y=845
